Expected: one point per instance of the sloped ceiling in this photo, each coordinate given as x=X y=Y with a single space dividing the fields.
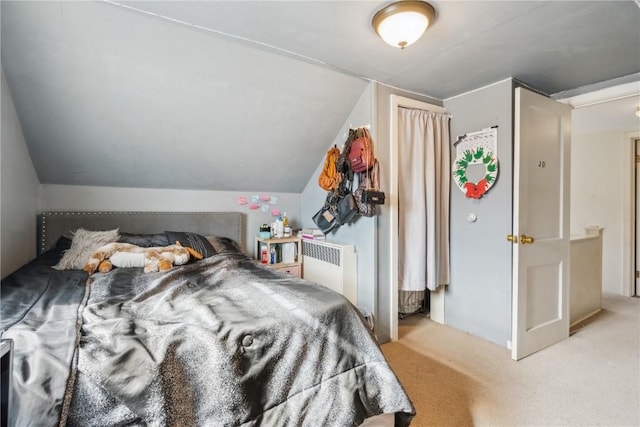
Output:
x=246 y=95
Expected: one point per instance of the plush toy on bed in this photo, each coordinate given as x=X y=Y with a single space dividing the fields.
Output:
x=128 y=255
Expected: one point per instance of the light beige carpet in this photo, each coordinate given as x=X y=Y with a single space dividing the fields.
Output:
x=590 y=379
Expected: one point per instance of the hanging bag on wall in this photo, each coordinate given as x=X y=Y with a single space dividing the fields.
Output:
x=364 y=209
x=342 y=165
x=361 y=156
x=367 y=194
x=326 y=219
x=347 y=206
x=339 y=208
x=374 y=195
x=347 y=209
x=330 y=178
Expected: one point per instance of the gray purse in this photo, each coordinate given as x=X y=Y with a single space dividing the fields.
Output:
x=347 y=205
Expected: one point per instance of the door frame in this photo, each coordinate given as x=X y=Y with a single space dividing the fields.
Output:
x=437 y=298
x=613 y=93
x=629 y=213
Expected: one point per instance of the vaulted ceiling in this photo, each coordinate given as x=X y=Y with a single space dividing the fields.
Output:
x=247 y=95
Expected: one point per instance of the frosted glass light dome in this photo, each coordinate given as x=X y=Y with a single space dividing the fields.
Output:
x=402 y=23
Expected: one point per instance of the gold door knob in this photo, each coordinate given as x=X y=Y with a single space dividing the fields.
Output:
x=511 y=238
x=525 y=239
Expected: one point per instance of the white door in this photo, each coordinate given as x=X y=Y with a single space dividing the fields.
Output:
x=540 y=304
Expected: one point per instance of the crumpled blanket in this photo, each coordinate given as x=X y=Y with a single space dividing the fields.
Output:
x=218 y=342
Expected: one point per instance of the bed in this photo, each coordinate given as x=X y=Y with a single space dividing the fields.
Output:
x=221 y=341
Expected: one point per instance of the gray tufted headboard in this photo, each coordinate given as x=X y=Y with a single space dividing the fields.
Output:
x=53 y=225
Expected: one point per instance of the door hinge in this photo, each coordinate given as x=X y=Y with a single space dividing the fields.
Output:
x=637 y=159
x=637 y=274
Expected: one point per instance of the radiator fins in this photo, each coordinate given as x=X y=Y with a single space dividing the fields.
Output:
x=321 y=253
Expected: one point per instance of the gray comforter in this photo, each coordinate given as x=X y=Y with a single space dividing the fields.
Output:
x=219 y=342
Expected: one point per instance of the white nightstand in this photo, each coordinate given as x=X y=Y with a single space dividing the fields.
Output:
x=295 y=267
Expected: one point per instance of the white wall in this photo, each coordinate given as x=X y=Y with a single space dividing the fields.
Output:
x=88 y=198
x=602 y=176
x=597 y=197
x=19 y=188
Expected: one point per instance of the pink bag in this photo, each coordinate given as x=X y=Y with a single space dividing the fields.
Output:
x=361 y=157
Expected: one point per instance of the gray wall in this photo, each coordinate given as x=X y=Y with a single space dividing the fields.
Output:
x=362 y=232
x=20 y=189
x=478 y=300
x=90 y=198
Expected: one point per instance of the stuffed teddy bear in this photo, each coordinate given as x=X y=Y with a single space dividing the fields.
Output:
x=128 y=255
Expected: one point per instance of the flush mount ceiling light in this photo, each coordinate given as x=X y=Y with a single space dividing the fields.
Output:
x=402 y=23
x=638 y=112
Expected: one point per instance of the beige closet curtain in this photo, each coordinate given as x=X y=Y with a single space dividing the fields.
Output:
x=424 y=179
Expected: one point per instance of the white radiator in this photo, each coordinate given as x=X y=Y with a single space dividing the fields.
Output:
x=332 y=265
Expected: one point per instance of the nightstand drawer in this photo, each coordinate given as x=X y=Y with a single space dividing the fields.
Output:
x=293 y=270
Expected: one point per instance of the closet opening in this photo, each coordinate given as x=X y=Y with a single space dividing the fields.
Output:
x=412 y=303
x=415 y=299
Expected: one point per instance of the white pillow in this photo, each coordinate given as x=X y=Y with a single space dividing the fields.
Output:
x=83 y=245
x=127 y=259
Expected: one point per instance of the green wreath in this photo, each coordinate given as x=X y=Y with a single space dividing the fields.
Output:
x=471 y=157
